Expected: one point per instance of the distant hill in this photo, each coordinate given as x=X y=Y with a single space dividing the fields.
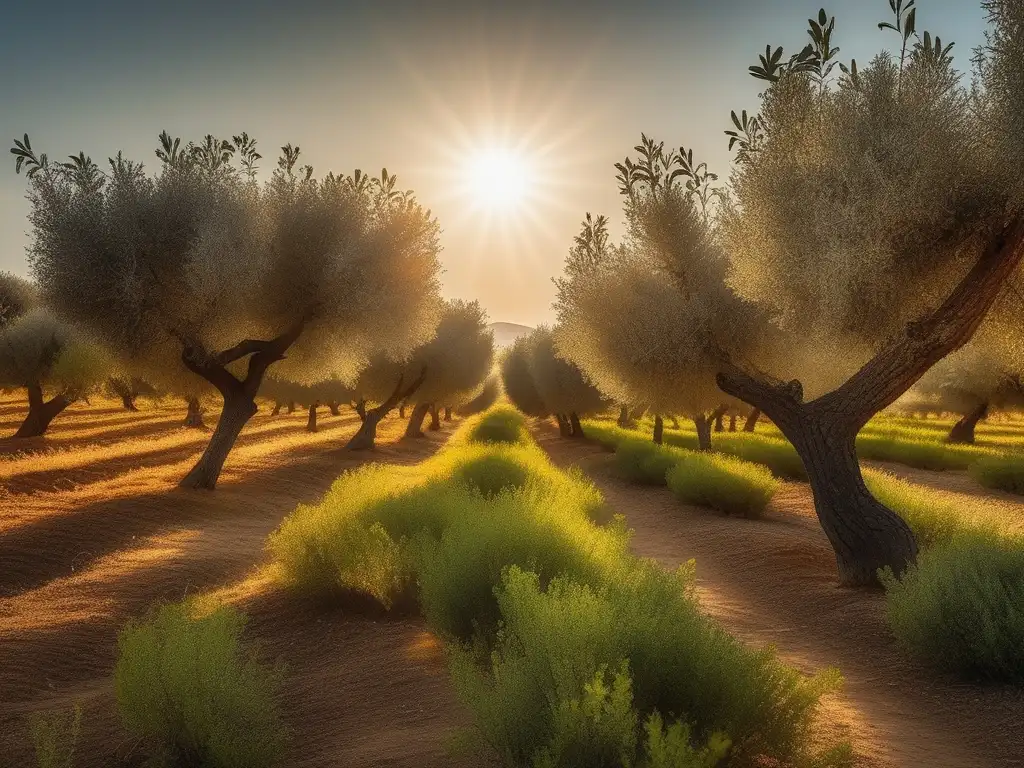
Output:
x=505 y=334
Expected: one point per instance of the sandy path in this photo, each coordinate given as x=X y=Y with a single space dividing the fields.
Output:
x=773 y=581
x=77 y=563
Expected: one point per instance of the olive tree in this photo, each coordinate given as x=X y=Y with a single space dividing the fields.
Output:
x=563 y=387
x=631 y=331
x=877 y=215
x=44 y=356
x=456 y=361
x=329 y=392
x=202 y=264
x=482 y=398
x=517 y=380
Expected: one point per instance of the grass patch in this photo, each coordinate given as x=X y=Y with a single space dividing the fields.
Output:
x=922 y=454
x=55 y=736
x=501 y=424
x=1004 y=473
x=188 y=688
x=568 y=649
x=645 y=463
x=777 y=454
x=728 y=484
x=961 y=607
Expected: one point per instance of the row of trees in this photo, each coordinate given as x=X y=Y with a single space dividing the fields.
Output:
x=872 y=222
x=199 y=279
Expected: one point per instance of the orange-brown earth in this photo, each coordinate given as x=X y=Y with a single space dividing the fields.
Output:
x=773 y=581
x=93 y=531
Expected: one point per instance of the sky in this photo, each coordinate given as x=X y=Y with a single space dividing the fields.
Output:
x=563 y=89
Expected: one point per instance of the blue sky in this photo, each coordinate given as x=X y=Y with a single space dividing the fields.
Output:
x=416 y=87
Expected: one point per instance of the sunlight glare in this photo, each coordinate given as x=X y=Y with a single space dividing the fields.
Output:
x=498 y=178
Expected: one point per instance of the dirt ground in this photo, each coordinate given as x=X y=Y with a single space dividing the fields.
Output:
x=773 y=581
x=93 y=530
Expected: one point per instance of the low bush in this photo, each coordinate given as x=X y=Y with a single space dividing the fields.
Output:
x=643 y=462
x=728 y=484
x=961 y=606
x=607 y=433
x=922 y=454
x=501 y=424
x=187 y=687
x=55 y=736
x=1005 y=473
x=583 y=675
x=492 y=473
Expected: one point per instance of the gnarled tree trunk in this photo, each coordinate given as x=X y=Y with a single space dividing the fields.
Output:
x=291 y=407
x=962 y=432
x=41 y=412
x=333 y=405
x=360 y=408
x=576 y=427
x=366 y=437
x=401 y=410
x=415 y=425
x=865 y=535
x=238 y=409
x=123 y=389
x=751 y=423
x=194 y=416
x=564 y=428
x=623 y=416
x=311 y=421
x=277 y=409
x=447 y=413
x=732 y=422
x=703 y=425
x=659 y=430
x=435 y=418
x=716 y=416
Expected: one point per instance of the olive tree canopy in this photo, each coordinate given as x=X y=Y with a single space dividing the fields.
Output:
x=201 y=264
x=562 y=386
x=517 y=380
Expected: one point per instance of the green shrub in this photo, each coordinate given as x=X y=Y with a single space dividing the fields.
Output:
x=607 y=433
x=55 y=736
x=933 y=517
x=644 y=462
x=548 y=697
x=186 y=686
x=492 y=473
x=500 y=424
x=921 y=454
x=727 y=484
x=961 y=607
x=1005 y=473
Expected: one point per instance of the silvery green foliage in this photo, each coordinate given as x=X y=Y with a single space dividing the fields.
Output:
x=201 y=255
x=321 y=393
x=865 y=201
x=17 y=296
x=562 y=386
x=37 y=348
x=457 y=360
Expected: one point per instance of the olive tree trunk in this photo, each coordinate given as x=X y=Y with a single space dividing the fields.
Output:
x=716 y=416
x=401 y=411
x=577 y=428
x=703 y=425
x=864 y=534
x=360 y=408
x=751 y=423
x=311 y=420
x=623 y=416
x=41 y=412
x=277 y=409
x=564 y=428
x=291 y=407
x=415 y=426
x=732 y=422
x=366 y=438
x=194 y=416
x=435 y=418
x=239 y=395
x=447 y=413
x=675 y=422
x=659 y=430
x=962 y=432
x=333 y=405
x=123 y=389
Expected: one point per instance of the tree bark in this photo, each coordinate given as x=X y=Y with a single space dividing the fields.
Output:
x=716 y=416
x=751 y=423
x=194 y=417
x=675 y=422
x=435 y=418
x=360 y=408
x=732 y=422
x=564 y=429
x=401 y=411
x=659 y=430
x=577 y=428
x=416 y=418
x=311 y=421
x=237 y=411
x=962 y=432
x=865 y=534
x=291 y=407
x=277 y=409
x=703 y=425
x=41 y=412
x=333 y=405
x=123 y=389
x=366 y=437
x=447 y=413
x=623 y=416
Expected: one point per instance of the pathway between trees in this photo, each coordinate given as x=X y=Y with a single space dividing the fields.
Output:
x=773 y=581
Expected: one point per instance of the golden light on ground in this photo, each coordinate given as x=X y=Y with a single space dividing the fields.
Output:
x=498 y=178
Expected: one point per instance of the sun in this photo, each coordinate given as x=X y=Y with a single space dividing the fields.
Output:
x=498 y=178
